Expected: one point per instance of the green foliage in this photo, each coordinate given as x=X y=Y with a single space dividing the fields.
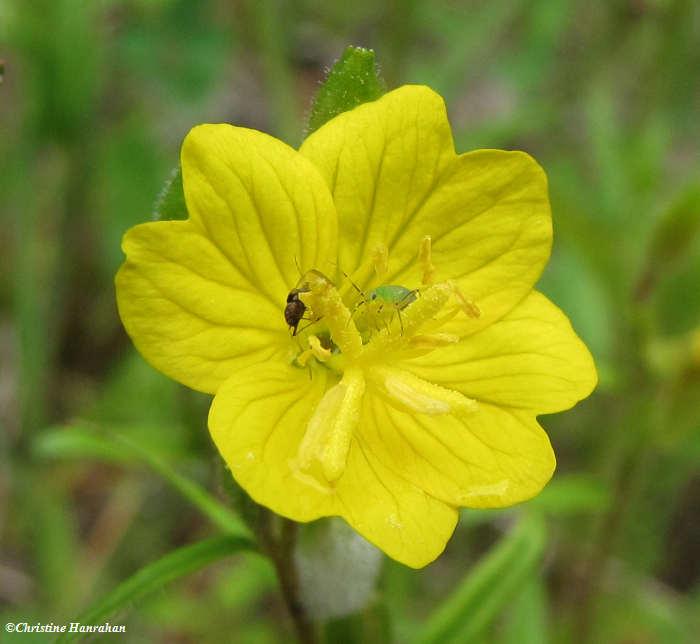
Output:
x=353 y=80
x=482 y=595
x=675 y=234
x=76 y=442
x=171 y=200
x=155 y=575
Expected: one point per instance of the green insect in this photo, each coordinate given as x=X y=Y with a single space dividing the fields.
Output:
x=398 y=297
x=383 y=301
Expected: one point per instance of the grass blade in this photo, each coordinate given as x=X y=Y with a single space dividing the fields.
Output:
x=72 y=442
x=483 y=593
x=155 y=575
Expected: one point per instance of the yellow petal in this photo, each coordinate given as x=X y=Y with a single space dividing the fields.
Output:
x=395 y=178
x=493 y=457
x=188 y=311
x=262 y=203
x=491 y=230
x=382 y=160
x=258 y=421
x=395 y=514
x=530 y=359
x=205 y=297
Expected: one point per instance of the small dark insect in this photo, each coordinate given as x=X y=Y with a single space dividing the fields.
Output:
x=295 y=309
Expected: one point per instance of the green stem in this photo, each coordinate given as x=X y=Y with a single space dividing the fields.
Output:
x=279 y=546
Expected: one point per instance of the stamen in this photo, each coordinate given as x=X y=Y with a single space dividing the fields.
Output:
x=380 y=258
x=316 y=349
x=320 y=352
x=425 y=307
x=329 y=432
x=335 y=452
x=433 y=340
x=312 y=443
x=303 y=357
x=325 y=301
x=467 y=305
x=415 y=395
x=425 y=256
x=416 y=314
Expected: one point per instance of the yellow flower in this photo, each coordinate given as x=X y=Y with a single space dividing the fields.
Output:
x=390 y=409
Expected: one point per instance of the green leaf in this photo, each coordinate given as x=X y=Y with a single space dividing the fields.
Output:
x=486 y=589
x=571 y=494
x=77 y=442
x=155 y=575
x=353 y=80
x=171 y=200
x=527 y=622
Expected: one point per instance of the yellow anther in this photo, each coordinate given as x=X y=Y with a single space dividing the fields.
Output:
x=312 y=444
x=433 y=340
x=329 y=433
x=316 y=349
x=469 y=307
x=413 y=394
x=380 y=258
x=425 y=256
x=425 y=307
x=319 y=351
x=339 y=437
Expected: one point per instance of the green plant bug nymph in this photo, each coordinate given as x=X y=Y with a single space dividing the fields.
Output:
x=383 y=300
x=398 y=297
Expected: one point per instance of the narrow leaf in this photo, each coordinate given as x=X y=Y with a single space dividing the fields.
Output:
x=352 y=80
x=483 y=593
x=527 y=621
x=72 y=442
x=572 y=494
x=155 y=575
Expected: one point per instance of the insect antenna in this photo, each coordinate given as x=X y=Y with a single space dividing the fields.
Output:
x=310 y=322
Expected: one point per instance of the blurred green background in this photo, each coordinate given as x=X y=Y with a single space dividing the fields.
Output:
x=95 y=101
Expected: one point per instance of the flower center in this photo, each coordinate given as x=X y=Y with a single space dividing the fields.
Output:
x=367 y=343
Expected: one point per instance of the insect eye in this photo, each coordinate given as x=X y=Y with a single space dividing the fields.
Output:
x=373 y=296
